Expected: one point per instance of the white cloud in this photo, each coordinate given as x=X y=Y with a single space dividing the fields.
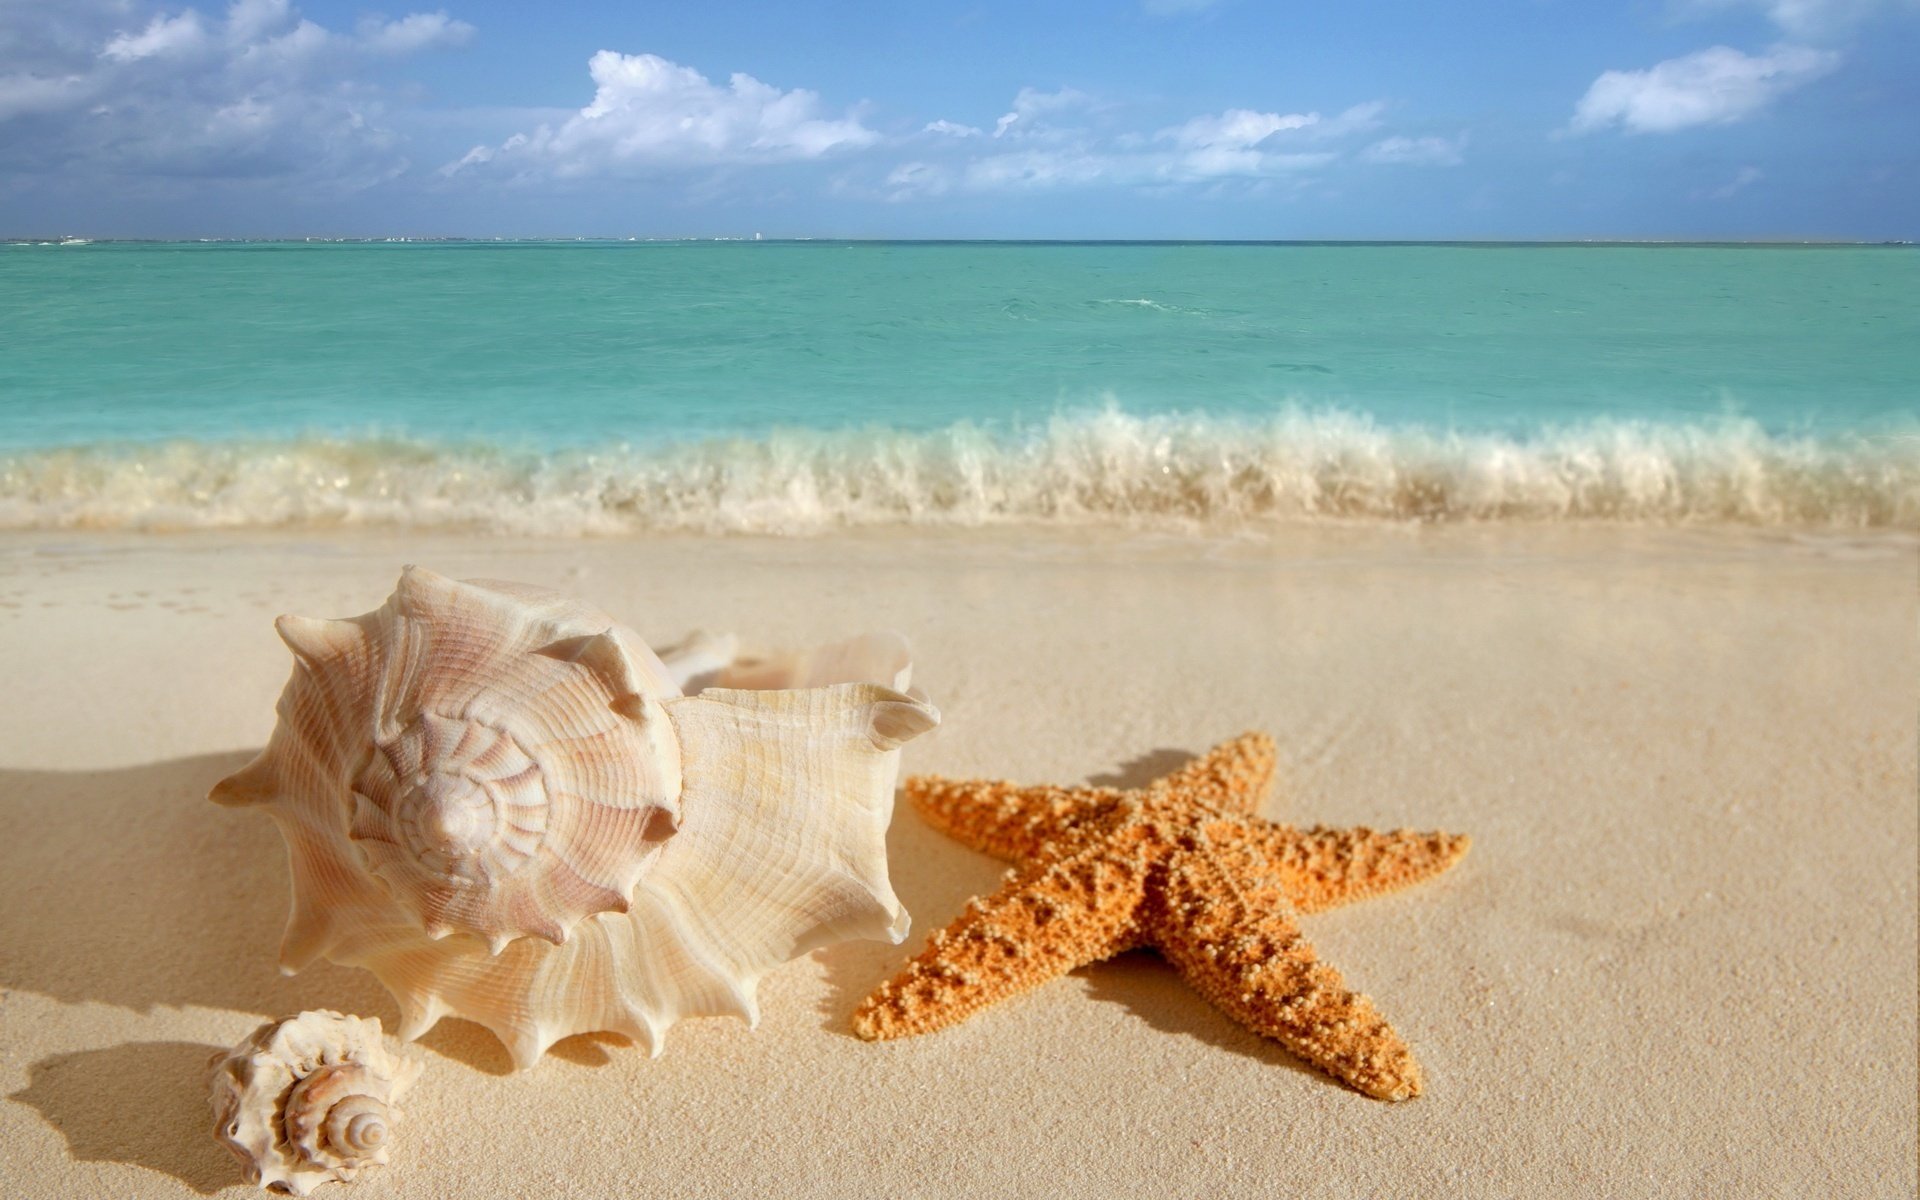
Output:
x=1238 y=143
x=1420 y=151
x=1715 y=86
x=1810 y=19
x=1361 y=118
x=1032 y=170
x=413 y=33
x=116 y=88
x=163 y=37
x=1243 y=127
x=250 y=21
x=302 y=48
x=1066 y=139
x=1238 y=128
x=1032 y=103
x=1815 y=18
x=272 y=31
x=648 y=114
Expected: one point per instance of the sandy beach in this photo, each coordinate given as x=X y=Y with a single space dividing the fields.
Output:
x=1680 y=959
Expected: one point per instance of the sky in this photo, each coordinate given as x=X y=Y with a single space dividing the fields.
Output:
x=1038 y=119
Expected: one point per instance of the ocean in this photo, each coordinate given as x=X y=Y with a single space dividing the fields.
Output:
x=610 y=388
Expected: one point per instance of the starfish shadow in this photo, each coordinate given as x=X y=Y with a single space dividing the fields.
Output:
x=142 y=1103
x=1143 y=983
x=1142 y=770
x=934 y=879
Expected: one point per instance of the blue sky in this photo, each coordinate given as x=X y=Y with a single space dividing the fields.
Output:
x=1129 y=118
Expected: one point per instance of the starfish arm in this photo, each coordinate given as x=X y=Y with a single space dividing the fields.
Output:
x=1011 y=822
x=1259 y=969
x=1004 y=819
x=1045 y=921
x=1322 y=868
x=1234 y=776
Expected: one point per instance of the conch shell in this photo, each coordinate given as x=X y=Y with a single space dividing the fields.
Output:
x=309 y=1099
x=501 y=803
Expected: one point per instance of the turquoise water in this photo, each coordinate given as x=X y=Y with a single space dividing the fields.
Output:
x=785 y=387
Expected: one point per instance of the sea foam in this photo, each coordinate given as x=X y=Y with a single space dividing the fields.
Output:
x=1102 y=468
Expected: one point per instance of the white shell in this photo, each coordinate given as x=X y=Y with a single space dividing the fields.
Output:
x=500 y=802
x=309 y=1099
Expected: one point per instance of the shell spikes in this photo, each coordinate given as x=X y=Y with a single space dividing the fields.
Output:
x=498 y=800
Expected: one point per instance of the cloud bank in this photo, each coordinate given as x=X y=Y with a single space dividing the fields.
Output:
x=258 y=92
x=1715 y=86
x=1068 y=139
x=649 y=114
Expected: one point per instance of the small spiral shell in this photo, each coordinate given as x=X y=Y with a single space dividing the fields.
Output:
x=309 y=1099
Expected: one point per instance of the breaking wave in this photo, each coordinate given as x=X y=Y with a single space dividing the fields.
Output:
x=1107 y=468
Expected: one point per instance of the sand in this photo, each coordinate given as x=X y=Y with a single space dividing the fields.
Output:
x=1680 y=960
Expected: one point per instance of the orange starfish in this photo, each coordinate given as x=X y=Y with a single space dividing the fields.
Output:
x=1183 y=866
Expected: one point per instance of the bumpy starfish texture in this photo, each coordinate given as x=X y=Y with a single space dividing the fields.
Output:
x=1183 y=866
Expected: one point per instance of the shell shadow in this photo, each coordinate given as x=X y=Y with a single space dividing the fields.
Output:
x=474 y=1045
x=468 y=1043
x=127 y=887
x=590 y=1049
x=142 y=1103
x=934 y=876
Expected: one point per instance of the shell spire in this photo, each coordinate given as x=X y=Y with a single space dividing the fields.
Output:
x=497 y=799
x=309 y=1100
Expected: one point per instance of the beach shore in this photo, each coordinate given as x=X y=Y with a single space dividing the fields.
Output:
x=1679 y=960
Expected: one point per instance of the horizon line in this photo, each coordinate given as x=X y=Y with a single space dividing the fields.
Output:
x=757 y=239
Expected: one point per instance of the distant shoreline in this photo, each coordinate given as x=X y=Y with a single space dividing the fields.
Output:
x=610 y=239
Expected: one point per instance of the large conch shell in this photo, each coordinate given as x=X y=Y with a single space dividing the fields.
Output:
x=501 y=803
x=308 y=1100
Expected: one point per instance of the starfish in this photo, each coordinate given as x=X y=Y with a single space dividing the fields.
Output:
x=1184 y=866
